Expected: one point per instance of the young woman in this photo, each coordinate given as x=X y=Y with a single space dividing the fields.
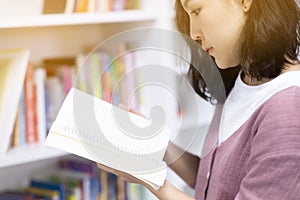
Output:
x=257 y=155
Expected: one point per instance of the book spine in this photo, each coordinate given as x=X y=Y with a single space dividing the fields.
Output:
x=132 y=4
x=16 y=131
x=82 y=6
x=30 y=107
x=96 y=73
x=92 y=6
x=118 y=4
x=112 y=186
x=70 y=4
x=22 y=122
x=78 y=166
x=54 y=98
x=49 y=186
x=86 y=167
x=40 y=78
x=104 y=184
x=53 y=195
x=66 y=78
x=80 y=68
x=121 y=189
x=15 y=196
x=133 y=191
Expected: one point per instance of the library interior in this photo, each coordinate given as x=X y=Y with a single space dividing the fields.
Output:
x=49 y=47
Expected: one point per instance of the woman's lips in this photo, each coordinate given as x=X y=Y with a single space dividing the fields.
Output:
x=208 y=50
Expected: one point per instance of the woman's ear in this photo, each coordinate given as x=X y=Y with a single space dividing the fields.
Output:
x=246 y=5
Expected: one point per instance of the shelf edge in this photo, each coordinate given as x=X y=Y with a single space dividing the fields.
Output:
x=29 y=153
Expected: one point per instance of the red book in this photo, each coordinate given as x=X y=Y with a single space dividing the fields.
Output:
x=30 y=107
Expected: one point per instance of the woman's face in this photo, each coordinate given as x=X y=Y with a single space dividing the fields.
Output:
x=217 y=24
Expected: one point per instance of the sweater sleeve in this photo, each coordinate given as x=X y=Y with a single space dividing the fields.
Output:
x=273 y=169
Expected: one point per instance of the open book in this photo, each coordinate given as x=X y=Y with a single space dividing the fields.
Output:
x=13 y=66
x=101 y=132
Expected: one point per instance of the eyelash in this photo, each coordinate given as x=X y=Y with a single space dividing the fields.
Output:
x=196 y=11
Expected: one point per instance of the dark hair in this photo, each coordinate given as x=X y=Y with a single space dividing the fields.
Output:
x=270 y=39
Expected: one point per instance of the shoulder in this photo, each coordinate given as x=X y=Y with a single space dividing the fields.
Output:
x=278 y=129
x=283 y=108
x=274 y=153
x=278 y=123
x=285 y=97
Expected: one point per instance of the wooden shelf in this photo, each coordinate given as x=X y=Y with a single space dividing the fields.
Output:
x=77 y=19
x=28 y=153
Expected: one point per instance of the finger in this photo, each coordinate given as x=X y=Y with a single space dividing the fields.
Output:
x=134 y=111
x=125 y=176
x=105 y=168
x=125 y=107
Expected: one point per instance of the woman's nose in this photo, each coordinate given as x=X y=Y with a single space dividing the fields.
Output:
x=195 y=31
x=195 y=36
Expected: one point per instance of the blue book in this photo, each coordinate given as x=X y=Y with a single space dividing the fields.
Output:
x=50 y=186
x=13 y=196
x=16 y=195
x=112 y=186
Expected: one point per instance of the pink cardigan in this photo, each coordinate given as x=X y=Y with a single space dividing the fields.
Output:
x=259 y=161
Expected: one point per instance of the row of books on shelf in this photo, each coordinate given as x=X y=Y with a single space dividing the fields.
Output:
x=74 y=179
x=43 y=90
x=79 y=6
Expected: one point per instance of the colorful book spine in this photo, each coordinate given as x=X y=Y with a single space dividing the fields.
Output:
x=15 y=196
x=60 y=188
x=40 y=80
x=50 y=194
x=55 y=97
x=121 y=189
x=104 y=185
x=22 y=123
x=87 y=167
x=82 y=6
x=119 y=4
x=81 y=81
x=66 y=78
x=70 y=6
x=95 y=64
x=112 y=187
x=16 y=131
x=30 y=107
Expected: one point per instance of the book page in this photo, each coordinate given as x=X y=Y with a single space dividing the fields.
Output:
x=88 y=127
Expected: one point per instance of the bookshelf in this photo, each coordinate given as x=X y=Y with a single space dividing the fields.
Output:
x=79 y=19
x=64 y=35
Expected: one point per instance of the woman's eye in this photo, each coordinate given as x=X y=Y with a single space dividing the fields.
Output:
x=196 y=12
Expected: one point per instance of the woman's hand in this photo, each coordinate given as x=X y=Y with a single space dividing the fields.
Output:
x=165 y=192
x=124 y=107
x=125 y=176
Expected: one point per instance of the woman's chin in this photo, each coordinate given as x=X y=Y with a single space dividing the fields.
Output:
x=225 y=65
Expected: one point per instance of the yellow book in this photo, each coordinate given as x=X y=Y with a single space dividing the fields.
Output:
x=54 y=6
x=82 y=6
